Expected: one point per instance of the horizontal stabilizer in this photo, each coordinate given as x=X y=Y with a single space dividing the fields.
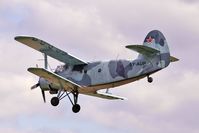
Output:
x=106 y=96
x=144 y=50
x=54 y=78
x=50 y=50
x=173 y=59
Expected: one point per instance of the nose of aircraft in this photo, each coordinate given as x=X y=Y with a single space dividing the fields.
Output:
x=42 y=91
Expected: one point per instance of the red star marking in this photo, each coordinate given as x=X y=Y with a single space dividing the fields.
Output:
x=149 y=40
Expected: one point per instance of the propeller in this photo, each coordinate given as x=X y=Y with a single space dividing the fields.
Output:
x=43 y=95
x=42 y=91
x=35 y=86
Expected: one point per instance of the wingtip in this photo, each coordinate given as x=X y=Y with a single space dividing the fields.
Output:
x=33 y=68
x=127 y=46
x=134 y=45
x=17 y=38
x=173 y=59
x=123 y=98
x=30 y=69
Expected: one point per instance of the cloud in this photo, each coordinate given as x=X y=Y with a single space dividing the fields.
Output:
x=191 y=1
x=99 y=30
x=166 y=106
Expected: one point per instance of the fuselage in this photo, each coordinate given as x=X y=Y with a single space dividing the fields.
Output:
x=108 y=74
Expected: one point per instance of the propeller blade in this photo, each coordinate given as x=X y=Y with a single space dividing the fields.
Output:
x=43 y=95
x=34 y=86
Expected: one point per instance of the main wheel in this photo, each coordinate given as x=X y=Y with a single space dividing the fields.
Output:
x=54 y=101
x=76 y=108
x=150 y=79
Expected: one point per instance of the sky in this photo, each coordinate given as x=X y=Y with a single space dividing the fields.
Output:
x=99 y=30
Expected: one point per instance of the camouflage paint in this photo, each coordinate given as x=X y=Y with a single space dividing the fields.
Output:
x=98 y=73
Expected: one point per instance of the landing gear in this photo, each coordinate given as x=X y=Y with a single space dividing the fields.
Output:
x=54 y=101
x=61 y=94
x=76 y=108
x=149 y=79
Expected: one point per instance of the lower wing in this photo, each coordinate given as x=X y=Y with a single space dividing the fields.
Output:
x=67 y=84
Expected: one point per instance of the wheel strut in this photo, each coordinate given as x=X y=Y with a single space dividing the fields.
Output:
x=149 y=79
x=55 y=100
x=76 y=107
x=62 y=94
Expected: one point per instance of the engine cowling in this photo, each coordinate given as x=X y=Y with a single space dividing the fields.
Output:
x=47 y=86
x=44 y=84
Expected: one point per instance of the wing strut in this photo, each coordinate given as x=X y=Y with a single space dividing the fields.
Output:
x=45 y=61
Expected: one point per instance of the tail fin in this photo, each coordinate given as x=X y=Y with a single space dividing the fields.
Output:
x=156 y=40
x=155 y=49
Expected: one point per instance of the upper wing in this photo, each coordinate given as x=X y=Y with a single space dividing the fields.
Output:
x=50 y=50
x=54 y=78
x=143 y=49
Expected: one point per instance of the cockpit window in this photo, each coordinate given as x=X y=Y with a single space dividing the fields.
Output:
x=78 y=67
x=65 y=66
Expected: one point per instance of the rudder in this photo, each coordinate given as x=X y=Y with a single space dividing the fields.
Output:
x=156 y=40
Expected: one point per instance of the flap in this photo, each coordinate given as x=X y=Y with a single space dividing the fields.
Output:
x=54 y=78
x=144 y=50
x=173 y=59
x=50 y=50
x=105 y=96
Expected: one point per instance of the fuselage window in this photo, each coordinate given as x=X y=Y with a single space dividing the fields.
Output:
x=78 y=67
x=85 y=71
x=99 y=70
